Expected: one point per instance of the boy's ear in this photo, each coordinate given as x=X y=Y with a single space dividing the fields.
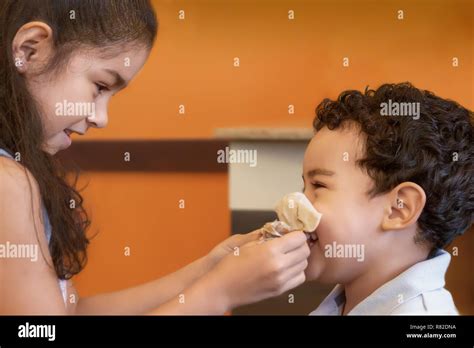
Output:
x=404 y=206
x=32 y=46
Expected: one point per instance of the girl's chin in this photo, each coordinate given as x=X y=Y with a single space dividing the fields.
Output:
x=50 y=149
x=65 y=141
x=60 y=142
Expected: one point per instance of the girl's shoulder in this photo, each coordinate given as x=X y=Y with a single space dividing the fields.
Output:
x=20 y=200
x=26 y=260
x=15 y=180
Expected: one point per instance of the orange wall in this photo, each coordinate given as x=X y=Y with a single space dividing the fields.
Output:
x=287 y=62
x=282 y=62
x=141 y=211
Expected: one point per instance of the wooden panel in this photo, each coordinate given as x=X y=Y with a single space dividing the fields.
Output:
x=152 y=155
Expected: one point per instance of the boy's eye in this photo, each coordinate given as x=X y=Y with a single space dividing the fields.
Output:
x=317 y=185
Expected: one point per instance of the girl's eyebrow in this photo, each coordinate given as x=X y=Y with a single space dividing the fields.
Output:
x=119 y=80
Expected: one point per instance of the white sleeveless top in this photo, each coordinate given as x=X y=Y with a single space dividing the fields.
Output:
x=47 y=229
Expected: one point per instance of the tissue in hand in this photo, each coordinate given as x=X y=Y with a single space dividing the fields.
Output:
x=295 y=212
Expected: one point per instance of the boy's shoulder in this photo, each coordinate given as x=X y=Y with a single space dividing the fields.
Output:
x=435 y=302
x=423 y=288
x=419 y=290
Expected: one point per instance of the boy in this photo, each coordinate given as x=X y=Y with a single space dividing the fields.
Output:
x=391 y=172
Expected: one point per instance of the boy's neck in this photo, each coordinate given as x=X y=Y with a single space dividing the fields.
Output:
x=382 y=272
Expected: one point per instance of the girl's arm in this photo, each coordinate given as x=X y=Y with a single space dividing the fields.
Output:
x=29 y=285
x=28 y=282
x=259 y=271
x=236 y=280
x=144 y=298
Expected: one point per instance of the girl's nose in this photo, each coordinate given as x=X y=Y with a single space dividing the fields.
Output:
x=98 y=120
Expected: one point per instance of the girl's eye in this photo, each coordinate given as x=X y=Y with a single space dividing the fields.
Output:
x=101 y=88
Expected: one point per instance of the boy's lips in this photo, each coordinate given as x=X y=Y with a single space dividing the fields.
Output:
x=312 y=238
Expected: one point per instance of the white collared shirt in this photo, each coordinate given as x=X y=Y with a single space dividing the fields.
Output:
x=417 y=291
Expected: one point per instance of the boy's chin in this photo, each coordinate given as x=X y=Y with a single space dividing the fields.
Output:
x=318 y=270
x=319 y=276
x=316 y=265
x=313 y=272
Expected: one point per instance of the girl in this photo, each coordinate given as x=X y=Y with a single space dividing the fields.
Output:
x=74 y=50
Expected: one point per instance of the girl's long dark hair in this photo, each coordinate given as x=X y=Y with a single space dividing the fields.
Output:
x=75 y=23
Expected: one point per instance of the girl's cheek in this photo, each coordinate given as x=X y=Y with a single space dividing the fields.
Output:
x=56 y=124
x=50 y=125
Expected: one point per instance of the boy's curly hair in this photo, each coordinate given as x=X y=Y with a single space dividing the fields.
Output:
x=434 y=151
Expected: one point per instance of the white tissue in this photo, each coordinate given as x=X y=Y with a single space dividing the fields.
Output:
x=296 y=211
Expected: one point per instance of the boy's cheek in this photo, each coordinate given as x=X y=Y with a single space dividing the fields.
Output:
x=337 y=229
x=326 y=269
x=332 y=269
x=318 y=263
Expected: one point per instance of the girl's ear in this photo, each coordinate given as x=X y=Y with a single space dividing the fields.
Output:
x=32 y=46
x=404 y=206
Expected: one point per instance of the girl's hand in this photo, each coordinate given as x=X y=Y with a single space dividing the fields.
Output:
x=259 y=270
x=229 y=246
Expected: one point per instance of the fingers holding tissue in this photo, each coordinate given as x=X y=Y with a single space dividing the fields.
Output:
x=267 y=269
x=295 y=213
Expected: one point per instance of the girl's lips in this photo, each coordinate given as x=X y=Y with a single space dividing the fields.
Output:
x=67 y=134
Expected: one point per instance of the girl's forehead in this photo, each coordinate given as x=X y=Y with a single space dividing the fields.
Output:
x=126 y=62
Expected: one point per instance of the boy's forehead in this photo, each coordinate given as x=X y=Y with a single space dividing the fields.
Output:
x=332 y=149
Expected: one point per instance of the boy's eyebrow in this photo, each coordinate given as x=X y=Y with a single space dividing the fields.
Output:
x=119 y=80
x=320 y=171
